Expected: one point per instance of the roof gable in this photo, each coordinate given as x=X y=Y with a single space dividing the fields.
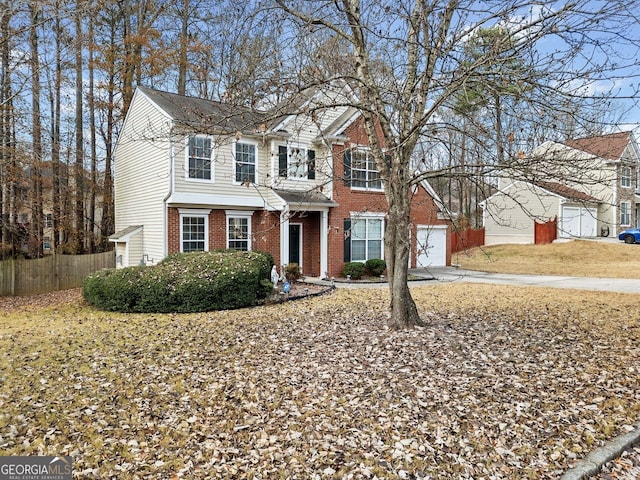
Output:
x=608 y=147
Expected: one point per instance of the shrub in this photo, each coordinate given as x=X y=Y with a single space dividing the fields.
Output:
x=292 y=272
x=353 y=269
x=375 y=266
x=184 y=282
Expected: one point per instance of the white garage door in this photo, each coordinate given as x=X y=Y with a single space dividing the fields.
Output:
x=578 y=222
x=432 y=246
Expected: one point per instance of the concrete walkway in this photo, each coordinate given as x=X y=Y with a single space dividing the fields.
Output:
x=453 y=274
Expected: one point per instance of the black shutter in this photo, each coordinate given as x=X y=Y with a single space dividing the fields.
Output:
x=347 y=239
x=311 y=164
x=282 y=161
x=347 y=167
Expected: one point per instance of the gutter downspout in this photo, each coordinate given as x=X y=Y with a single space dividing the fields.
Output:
x=165 y=221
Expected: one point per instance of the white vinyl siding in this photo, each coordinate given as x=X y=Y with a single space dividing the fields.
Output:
x=142 y=176
x=509 y=215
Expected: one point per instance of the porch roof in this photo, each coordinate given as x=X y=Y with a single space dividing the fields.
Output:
x=305 y=200
x=124 y=234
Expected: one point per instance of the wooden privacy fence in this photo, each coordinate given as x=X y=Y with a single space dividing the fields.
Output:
x=54 y=272
x=465 y=239
x=545 y=232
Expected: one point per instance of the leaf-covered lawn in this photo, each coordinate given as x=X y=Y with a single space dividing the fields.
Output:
x=502 y=383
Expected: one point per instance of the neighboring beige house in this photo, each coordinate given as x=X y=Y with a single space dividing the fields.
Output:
x=590 y=185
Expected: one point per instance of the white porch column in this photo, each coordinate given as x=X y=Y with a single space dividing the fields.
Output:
x=284 y=237
x=324 y=242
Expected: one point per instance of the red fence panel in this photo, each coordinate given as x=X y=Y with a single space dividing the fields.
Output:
x=545 y=232
x=466 y=239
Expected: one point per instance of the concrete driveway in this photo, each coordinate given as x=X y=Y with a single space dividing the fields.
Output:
x=453 y=274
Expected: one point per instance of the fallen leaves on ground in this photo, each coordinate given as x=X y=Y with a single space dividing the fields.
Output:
x=503 y=382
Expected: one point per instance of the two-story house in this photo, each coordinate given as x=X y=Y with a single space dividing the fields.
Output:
x=589 y=185
x=194 y=174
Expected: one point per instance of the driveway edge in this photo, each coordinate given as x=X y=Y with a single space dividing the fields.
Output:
x=592 y=463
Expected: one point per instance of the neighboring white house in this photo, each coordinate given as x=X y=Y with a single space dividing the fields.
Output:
x=590 y=185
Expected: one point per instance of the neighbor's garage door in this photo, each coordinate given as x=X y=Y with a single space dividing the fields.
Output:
x=578 y=222
x=431 y=246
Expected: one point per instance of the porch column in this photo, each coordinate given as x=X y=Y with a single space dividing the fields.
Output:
x=324 y=242
x=284 y=237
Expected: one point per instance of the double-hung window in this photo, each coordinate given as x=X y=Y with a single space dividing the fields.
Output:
x=245 y=162
x=239 y=230
x=366 y=239
x=194 y=228
x=625 y=176
x=361 y=170
x=625 y=213
x=199 y=154
x=296 y=162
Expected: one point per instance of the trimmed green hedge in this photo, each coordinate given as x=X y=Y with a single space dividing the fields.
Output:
x=355 y=270
x=183 y=283
x=375 y=266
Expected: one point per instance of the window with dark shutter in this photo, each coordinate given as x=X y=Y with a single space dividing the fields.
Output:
x=347 y=167
x=311 y=164
x=347 y=239
x=282 y=161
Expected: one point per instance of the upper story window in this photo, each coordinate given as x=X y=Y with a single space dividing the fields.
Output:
x=360 y=170
x=296 y=162
x=625 y=176
x=199 y=154
x=245 y=162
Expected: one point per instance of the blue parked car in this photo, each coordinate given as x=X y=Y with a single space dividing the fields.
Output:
x=631 y=235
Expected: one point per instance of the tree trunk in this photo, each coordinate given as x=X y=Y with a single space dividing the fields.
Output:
x=56 y=194
x=79 y=140
x=404 y=312
x=36 y=227
x=94 y=153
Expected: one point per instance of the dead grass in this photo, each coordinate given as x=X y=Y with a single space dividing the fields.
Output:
x=582 y=258
x=503 y=383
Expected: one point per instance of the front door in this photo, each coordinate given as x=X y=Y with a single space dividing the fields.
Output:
x=295 y=243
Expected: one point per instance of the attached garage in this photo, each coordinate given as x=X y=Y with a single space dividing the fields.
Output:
x=577 y=221
x=431 y=246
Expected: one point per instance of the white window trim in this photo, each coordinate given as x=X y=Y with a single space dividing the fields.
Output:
x=628 y=177
x=366 y=216
x=195 y=212
x=248 y=214
x=233 y=154
x=186 y=161
x=305 y=149
x=628 y=204
x=366 y=150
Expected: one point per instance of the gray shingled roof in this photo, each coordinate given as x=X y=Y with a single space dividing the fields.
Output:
x=194 y=111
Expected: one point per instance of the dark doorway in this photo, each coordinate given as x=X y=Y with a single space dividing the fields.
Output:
x=295 y=237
